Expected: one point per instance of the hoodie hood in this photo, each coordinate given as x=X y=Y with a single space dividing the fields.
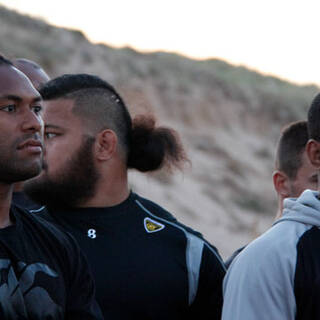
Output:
x=305 y=209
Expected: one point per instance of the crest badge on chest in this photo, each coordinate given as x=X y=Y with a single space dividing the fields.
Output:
x=152 y=226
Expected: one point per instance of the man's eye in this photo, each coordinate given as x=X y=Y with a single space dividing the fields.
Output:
x=37 y=109
x=9 y=108
x=49 y=135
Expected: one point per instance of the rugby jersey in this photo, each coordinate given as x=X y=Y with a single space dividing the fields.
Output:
x=146 y=264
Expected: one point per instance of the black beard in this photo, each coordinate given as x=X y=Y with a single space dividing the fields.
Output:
x=74 y=184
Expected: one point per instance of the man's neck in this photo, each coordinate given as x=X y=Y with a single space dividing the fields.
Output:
x=18 y=187
x=5 y=203
x=109 y=192
x=106 y=200
x=280 y=208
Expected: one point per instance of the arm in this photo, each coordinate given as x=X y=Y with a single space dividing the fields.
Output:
x=208 y=301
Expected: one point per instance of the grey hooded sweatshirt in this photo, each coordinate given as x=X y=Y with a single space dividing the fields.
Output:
x=277 y=276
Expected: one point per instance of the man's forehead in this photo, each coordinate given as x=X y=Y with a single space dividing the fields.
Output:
x=14 y=82
x=58 y=111
x=60 y=105
x=36 y=75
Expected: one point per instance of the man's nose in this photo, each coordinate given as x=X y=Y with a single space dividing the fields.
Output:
x=32 y=122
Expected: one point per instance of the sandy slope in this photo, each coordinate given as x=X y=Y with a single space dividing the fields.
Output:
x=228 y=117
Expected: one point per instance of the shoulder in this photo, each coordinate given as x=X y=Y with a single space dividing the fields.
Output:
x=232 y=257
x=196 y=243
x=263 y=275
x=152 y=208
x=43 y=214
x=38 y=224
x=157 y=212
x=274 y=248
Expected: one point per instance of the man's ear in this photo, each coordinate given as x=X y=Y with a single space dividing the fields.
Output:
x=106 y=144
x=313 y=152
x=281 y=183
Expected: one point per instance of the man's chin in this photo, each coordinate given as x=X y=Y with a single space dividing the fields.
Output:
x=34 y=172
x=38 y=178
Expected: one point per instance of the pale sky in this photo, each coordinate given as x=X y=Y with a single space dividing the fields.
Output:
x=279 y=37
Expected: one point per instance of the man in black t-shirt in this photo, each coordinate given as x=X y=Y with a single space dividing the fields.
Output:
x=146 y=264
x=43 y=274
x=38 y=77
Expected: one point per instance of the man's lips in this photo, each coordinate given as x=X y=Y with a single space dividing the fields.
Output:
x=32 y=145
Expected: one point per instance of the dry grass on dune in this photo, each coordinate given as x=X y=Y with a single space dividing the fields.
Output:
x=229 y=118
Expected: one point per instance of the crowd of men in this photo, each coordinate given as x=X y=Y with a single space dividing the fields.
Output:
x=77 y=243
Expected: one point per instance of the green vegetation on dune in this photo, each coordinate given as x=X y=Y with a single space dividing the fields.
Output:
x=25 y=36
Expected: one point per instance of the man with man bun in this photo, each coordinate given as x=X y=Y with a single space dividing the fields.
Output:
x=146 y=264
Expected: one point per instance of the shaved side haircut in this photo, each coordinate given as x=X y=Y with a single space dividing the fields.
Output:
x=314 y=119
x=145 y=146
x=291 y=145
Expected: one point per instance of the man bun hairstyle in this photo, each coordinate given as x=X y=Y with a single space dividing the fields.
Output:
x=314 y=119
x=146 y=147
x=291 y=145
x=154 y=147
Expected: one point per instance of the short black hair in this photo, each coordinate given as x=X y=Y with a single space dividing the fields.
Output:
x=314 y=119
x=146 y=147
x=95 y=100
x=291 y=145
x=69 y=83
x=5 y=61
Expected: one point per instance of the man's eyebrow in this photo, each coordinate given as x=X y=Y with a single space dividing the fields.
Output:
x=51 y=126
x=11 y=97
x=19 y=99
x=37 y=99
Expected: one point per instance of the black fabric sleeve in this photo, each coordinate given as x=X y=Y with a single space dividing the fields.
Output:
x=306 y=281
x=209 y=299
x=81 y=303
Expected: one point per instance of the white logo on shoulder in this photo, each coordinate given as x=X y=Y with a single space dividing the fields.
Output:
x=92 y=233
x=152 y=226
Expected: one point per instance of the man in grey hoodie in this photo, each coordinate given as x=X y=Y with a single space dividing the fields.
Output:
x=277 y=276
x=293 y=171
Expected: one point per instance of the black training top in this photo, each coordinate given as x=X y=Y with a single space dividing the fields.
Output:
x=21 y=200
x=146 y=264
x=43 y=275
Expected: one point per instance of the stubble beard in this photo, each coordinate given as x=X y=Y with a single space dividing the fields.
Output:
x=13 y=169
